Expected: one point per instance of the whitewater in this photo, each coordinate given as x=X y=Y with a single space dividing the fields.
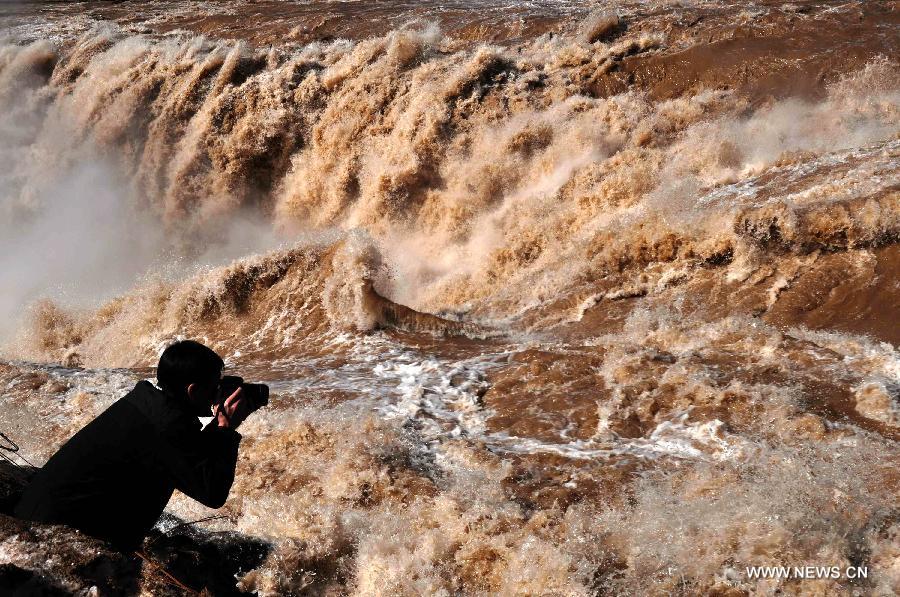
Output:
x=553 y=299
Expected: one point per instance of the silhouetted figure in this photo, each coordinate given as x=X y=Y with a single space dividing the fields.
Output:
x=114 y=478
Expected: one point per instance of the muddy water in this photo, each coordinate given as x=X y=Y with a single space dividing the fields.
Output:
x=553 y=299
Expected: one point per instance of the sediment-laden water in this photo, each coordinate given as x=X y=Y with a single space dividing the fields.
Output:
x=553 y=298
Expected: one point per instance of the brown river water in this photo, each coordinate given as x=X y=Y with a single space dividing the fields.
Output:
x=554 y=298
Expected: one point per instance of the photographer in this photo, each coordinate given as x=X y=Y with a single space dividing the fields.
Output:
x=114 y=478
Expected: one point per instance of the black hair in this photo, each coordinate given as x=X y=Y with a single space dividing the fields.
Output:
x=187 y=362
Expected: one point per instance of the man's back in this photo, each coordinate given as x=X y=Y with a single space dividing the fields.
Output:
x=115 y=476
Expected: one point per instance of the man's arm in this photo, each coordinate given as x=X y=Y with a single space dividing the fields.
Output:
x=201 y=463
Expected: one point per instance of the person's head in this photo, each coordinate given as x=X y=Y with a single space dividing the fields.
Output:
x=191 y=371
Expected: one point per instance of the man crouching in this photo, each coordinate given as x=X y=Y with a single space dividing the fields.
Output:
x=114 y=478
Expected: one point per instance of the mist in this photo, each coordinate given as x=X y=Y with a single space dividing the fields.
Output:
x=74 y=227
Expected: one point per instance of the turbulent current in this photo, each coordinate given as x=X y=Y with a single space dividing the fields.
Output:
x=553 y=298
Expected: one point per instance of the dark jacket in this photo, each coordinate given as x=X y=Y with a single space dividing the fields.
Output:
x=114 y=477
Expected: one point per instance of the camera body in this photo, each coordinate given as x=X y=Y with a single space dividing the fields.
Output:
x=256 y=395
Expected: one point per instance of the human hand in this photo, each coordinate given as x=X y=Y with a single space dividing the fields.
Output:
x=232 y=411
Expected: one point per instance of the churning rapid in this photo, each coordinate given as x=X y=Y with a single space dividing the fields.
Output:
x=552 y=300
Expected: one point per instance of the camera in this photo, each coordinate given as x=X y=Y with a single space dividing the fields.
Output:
x=255 y=394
